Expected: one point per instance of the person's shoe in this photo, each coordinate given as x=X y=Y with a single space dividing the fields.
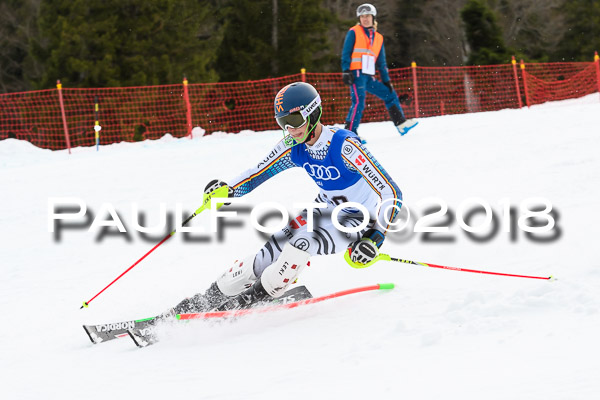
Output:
x=406 y=126
x=249 y=297
x=211 y=298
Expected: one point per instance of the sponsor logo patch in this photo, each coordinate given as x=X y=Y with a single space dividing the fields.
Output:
x=115 y=326
x=321 y=172
x=302 y=244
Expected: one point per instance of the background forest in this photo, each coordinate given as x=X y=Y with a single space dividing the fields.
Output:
x=109 y=43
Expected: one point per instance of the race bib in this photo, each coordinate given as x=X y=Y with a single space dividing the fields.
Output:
x=368 y=64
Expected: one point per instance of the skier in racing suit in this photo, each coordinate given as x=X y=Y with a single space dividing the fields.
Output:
x=344 y=170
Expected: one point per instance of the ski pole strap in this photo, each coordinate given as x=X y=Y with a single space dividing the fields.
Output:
x=380 y=257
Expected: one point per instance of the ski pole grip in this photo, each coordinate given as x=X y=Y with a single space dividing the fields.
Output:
x=353 y=264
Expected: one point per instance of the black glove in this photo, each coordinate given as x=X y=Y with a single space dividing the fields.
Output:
x=214 y=185
x=404 y=99
x=347 y=77
x=389 y=85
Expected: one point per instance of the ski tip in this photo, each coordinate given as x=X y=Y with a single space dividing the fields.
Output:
x=89 y=334
x=386 y=286
x=85 y=305
x=552 y=278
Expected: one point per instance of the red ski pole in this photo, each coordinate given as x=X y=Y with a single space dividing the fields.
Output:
x=386 y=257
x=237 y=313
x=218 y=193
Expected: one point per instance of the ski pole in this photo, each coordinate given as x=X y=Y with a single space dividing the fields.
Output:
x=218 y=193
x=386 y=257
x=238 y=313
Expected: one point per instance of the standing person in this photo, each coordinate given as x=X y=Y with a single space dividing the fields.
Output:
x=343 y=169
x=364 y=53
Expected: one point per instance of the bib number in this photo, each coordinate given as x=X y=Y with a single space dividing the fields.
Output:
x=368 y=64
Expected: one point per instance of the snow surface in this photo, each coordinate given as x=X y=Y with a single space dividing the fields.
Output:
x=439 y=334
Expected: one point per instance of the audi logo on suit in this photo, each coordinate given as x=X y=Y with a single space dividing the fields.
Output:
x=321 y=172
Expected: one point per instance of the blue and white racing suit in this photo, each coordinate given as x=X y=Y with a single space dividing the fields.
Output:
x=345 y=171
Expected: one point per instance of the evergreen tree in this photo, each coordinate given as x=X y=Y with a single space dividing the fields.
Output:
x=582 y=37
x=530 y=26
x=93 y=43
x=484 y=36
x=247 y=50
x=402 y=44
x=17 y=28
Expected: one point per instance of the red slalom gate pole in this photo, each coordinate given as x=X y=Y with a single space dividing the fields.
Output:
x=63 y=115
x=514 y=65
x=237 y=313
x=597 y=62
x=188 y=107
x=524 y=75
x=413 y=66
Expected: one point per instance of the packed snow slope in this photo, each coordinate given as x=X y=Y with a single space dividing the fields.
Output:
x=439 y=334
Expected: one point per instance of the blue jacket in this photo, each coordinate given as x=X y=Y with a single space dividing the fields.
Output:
x=380 y=63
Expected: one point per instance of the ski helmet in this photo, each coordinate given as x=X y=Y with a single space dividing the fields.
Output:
x=296 y=105
x=366 y=9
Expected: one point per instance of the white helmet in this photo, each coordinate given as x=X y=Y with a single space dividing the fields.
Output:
x=366 y=9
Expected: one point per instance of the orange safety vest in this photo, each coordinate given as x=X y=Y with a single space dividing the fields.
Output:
x=362 y=46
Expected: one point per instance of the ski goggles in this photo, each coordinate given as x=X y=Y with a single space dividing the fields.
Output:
x=298 y=116
x=365 y=9
x=293 y=120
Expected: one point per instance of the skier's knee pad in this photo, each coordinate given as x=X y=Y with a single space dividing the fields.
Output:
x=238 y=277
x=278 y=276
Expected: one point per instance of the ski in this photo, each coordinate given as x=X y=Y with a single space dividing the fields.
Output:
x=105 y=332
x=102 y=333
x=144 y=337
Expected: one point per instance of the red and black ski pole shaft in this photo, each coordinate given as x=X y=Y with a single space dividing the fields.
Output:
x=386 y=257
x=218 y=193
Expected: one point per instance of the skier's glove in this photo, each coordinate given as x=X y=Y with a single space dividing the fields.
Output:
x=389 y=85
x=347 y=77
x=214 y=185
x=363 y=251
x=367 y=248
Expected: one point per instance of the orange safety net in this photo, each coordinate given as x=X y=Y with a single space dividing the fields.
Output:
x=458 y=90
x=139 y=113
x=559 y=81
